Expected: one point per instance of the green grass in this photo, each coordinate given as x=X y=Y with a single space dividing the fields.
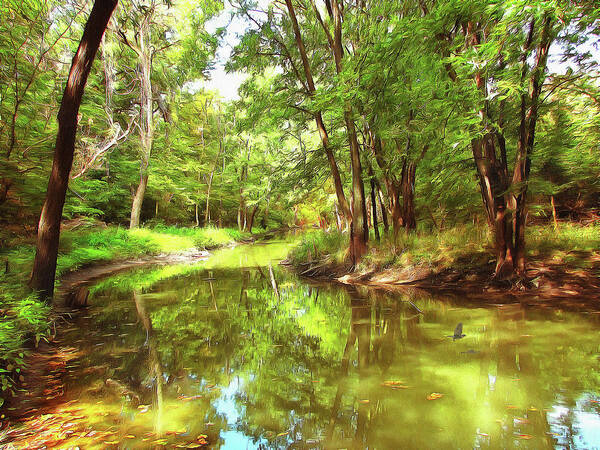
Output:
x=460 y=247
x=24 y=320
x=316 y=245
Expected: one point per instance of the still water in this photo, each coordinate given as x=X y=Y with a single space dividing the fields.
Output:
x=236 y=352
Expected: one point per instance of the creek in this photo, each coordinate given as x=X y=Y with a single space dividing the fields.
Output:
x=238 y=352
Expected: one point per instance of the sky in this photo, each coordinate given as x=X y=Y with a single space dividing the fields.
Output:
x=226 y=84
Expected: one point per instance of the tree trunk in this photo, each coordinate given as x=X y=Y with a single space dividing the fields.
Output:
x=250 y=223
x=5 y=187
x=394 y=192
x=212 y=173
x=529 y=114
x=392 y=185
x=384 y=216
x=146 y=122
x=408 y=194
x=374 y=205
x=338 y=219
x=310 y=85
x=44 y=265
x=138 y=200
x=493 y=183
x=359 y=229
x=554 y=218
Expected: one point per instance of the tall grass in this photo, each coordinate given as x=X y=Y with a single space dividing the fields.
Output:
x=460 y=247
x=316 y=245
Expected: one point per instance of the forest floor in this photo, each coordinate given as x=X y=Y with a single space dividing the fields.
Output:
x=88 y=251
x=563 y=264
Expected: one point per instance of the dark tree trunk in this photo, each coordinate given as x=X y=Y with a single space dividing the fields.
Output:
x=44 y=265
x=391 y=184
x=408 y=194
x=396 y=205
x=493 y=182
x=359 y=228
x=6 y=184
x=250 y=223
x=374 y=205
x=529 y=114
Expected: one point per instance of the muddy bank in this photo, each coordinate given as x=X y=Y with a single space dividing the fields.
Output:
x=547 y=280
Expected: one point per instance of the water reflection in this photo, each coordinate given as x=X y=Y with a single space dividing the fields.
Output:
x=243 y=353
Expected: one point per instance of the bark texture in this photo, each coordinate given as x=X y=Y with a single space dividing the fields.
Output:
x=44 y=265
x=147 y=120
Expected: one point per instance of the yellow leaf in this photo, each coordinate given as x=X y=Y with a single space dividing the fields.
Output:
x=434 y=396
x=392 y=383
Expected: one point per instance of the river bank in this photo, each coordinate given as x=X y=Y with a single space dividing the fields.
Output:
x=562 y=264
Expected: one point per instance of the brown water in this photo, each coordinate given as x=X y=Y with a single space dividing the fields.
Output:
x=236 y=352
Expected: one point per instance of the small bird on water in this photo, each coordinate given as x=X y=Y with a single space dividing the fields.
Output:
x=458 y=334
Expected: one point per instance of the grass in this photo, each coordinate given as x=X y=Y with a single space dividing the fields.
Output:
x=460 y=247
x=24 y=320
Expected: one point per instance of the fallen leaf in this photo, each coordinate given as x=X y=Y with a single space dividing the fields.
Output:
x=525 y=436
x=390 y=383
x=434 y=396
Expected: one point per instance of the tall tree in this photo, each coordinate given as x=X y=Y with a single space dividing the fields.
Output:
x=44 y=266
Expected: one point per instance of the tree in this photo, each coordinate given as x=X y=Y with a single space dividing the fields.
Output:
x=44 y=266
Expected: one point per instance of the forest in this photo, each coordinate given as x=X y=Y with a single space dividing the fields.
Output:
x=237 y=178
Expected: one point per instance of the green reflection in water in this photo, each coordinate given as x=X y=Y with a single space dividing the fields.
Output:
x=240 y=350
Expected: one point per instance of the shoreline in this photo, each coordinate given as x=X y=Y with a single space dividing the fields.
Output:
x=548 y=283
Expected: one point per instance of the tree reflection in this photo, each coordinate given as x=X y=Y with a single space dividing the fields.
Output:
x=256 y=354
